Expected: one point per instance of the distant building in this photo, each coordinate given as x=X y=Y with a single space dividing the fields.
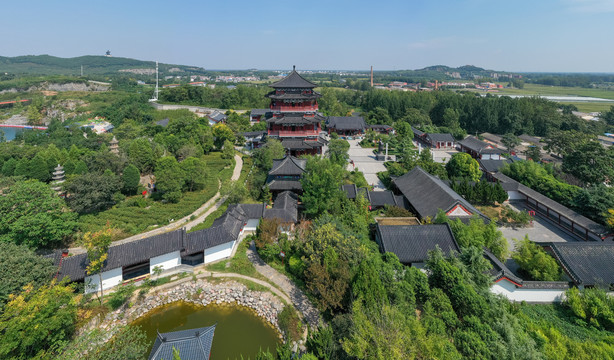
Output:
x=346 y=125
x=479 y=149
x=434 y=140
x=258 y=114
x=216 y=117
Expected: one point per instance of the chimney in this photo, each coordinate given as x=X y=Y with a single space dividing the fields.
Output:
x=371 y=75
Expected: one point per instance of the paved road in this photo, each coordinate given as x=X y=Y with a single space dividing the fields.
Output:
x=216 y=201
x=541 y=231
x=364 y=160
x=310 y=314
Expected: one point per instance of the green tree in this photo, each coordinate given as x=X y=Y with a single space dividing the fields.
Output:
x=565 y=142
x=97 y=245
x=36 y=320
x=169 y=178
x=510 y=141
x=533 y=153
x=32 y=214
x=321 y=183
x=221 y=132
x=22 y=168
x=195 y=171
x=462 y=165
x=535 y=262
x=24 y=267
x=140 y=154
x=591 y=163
x=8 y=168
x=264 y=155
x=131 y=178
x=128 y=343
x=80 y=168
x=477 y=234
x=235 y=191
x=338 y=152
x=93 y=192
x=228 y=150
x=38 y=168
x=608 y=116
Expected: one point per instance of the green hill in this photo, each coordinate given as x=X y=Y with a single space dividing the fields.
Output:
x=99 y=65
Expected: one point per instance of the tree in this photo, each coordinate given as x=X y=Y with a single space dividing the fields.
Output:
x=462 y=165
x=221 y=132
x=8 y=168
x=477 y=234
x=228 y=150
x=565 y=142
x=195 y=171
x=169 y=178
x=131 y=178
x=321 y=186
x=33 y=215
x=38 y=168
x=608 y=116
x=591 y=163
x=510 y=141
x=93 y=192
x=533 y=153
x=235 y=192
x=97 y=245
x=264 y=155
x=140 y=154
x=338 y=152
x=535 y=262
x=35 y=320
x=24 y=267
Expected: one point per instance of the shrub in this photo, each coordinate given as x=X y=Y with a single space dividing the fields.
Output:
x=395 y=211
x=290 y=324
x=120 y=296
x=535 y=262
x=593 y=306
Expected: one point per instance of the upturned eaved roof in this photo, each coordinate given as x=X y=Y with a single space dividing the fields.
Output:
x=586 y=263
x=293 y=80
x=259 y=112
x=411 y=243
x=475 y=144
x=436 y=137
x=285 y=208
x=491 y=165
x=289 y=165
x=295 y=118
x=427 y=194
x=193 y=344
x=346 y=123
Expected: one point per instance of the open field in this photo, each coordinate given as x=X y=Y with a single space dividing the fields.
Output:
x=535 y=89
x=590 y=106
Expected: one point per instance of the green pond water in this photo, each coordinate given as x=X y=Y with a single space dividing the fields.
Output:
x=239 y=331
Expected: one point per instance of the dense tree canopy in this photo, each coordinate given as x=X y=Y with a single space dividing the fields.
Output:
x=462 y=165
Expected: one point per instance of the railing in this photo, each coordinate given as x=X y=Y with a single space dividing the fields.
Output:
x=294 y=133
x=294 y=108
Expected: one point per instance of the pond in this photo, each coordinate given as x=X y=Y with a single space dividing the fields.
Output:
x=239 y=331
x=10 y=132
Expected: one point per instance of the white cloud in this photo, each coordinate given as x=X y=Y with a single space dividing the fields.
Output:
x=590 y=6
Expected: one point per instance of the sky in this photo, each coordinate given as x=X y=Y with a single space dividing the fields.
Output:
x=509 y=35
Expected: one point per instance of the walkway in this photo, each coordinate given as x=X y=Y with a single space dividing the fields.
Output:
x=364 y=160
x=311 y=315
x=210 y=206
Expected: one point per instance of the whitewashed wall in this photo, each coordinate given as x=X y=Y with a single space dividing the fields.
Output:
x=165 y=261
x=515 y=195
x=514 y=293
x=219 y=252
x=109 y=279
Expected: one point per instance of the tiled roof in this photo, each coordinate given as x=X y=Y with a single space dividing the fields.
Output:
x=435 y=138
x=381 y=198
x=295 y=118
x=587 y=263
x=346 y=123
x=282 y=185
x=350 y=190
x=427 y=194
x=492 y=166
x=417 y=132
x=293 y=96
x=474 y=144
x=499 y=270
x=217 y=116
x=411 y=243
x=259 y=112
x=285 y=207
x=289 y=165
x=293 y=80
x=193 y=344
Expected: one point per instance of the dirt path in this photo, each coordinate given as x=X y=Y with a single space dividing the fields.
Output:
x=311 y=315
x=210 y=206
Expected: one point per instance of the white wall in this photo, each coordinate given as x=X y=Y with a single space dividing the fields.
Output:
x=515 y=195
x=109 y=279
x=219 y=252
x=165 y=261
x=514 y=293
x=252 y=225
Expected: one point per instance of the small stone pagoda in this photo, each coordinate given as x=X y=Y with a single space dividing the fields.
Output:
x=57 y=179
x=114 y=146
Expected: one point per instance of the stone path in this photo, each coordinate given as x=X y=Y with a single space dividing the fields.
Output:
x=210 y=206
x=311 y=315
x=364 y=160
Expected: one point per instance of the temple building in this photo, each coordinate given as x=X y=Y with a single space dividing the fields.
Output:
x=285 y=175
x=193 y=344
x=294 y=117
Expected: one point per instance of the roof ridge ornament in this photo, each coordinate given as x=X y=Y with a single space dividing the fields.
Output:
x=293 y=67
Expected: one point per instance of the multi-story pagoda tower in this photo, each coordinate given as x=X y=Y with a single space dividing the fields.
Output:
x=113 y=146
x=58 y=178
x=294 y=115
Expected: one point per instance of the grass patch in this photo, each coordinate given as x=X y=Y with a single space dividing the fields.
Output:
x=209 y=220
x=537 y=89
x=131 y=219
x=238 y=264
x=589 y=107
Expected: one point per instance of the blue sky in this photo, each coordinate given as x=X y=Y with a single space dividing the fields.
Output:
x=510 y=35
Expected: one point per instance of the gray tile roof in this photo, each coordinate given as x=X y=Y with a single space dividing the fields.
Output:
x=493 y=166
x=587 y=263
x=411 y=243
x=499 y=270
x=285 y=208
x=435 y=138
x=299 y=144
x=295 y=118
x=289 y=165
x=259 y=112
x=193 y=344
x=346 y=123
x=417 y=132
x=282 y=185
x=350 y=190
x=479 y=146
x=293 y=80
x=427 y=194
x=381 y=198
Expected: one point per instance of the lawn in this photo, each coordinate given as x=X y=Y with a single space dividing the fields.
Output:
x=131 y=220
